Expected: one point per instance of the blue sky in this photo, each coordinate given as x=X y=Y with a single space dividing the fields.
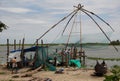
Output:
x=31 y=18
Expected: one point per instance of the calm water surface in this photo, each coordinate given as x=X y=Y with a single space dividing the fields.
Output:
x=102 y=52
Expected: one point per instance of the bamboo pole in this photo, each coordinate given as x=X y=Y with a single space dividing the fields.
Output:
x=36 y=54
x=43 y=59
x=22 y=51
x=62 y=54
x=100 y=28
x=84 y=58
x=14 y=44
x=7 y=52
x=66 y=58
x=47 y=52
x=19 y=44
x=57 y=24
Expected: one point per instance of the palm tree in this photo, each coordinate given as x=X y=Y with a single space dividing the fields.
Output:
x=2 y=26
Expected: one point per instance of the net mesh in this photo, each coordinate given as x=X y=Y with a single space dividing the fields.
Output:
x=42 y=58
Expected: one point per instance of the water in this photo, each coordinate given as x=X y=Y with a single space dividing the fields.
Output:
x=3 y=53
x=107 y=52
x=103 y=52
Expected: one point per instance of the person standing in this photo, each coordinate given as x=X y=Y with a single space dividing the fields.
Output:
x=14 y=65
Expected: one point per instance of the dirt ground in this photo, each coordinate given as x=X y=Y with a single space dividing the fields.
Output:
x=69 y=74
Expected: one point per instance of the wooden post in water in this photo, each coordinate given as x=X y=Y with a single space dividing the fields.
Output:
x=14 y=44
x=71 y=52
x=55 y=58
x=19 y=44
x=75 y=53
x=66 y=58
x=7 y=52
x=80 y=56
x=62 y=54
x=47 y=52
x=84 y=58
x=36 y=53
x=43 y=59
x=55 y=61
x=22 y=51
x=36 y=49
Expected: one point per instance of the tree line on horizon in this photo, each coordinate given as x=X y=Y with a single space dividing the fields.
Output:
x=116 y=42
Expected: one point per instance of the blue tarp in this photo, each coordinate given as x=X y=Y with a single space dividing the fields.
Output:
x=26 y=50
x=14 y=51
x=31 y=49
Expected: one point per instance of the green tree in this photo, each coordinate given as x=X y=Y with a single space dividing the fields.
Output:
x=2 y=26
x=115 y=74
x=117 y=42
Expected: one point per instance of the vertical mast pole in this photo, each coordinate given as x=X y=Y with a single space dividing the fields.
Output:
x=79 y=7
x=80 y=33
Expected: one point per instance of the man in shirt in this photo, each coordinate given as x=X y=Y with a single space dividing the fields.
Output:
x=14 y=65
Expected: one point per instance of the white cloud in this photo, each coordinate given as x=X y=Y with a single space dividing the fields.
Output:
x=16 y=10
x=37 y=16
x=32 y=21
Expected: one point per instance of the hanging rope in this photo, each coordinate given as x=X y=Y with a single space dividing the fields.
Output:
x=99 y=18
x=99 y=28
x=70 y=33
x=56 y=24
x=69 y=21
x=80 y=7
x=56 y=37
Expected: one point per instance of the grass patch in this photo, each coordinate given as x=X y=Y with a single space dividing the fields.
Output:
x=111 y=59
x=16 y=76
x=2 y=73
x=115 y=76
x=8 y=80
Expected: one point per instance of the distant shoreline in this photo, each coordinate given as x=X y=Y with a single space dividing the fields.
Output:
x=53 y=44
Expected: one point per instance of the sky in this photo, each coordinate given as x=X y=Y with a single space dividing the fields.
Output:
x=32 y=18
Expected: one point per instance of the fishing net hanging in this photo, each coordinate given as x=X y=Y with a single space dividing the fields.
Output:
x=88 y=34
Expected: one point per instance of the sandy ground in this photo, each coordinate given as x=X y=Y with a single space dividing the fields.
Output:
x=69 y=75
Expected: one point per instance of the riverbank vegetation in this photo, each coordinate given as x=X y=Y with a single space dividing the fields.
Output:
x=97 y=58
x=117 y=42
x=55 y=44
x=115 y=76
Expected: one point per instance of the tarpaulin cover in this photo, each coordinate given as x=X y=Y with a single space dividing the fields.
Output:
x=14 y=54
x=76 y=62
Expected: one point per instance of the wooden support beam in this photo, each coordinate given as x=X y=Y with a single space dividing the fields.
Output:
x=14 y=44
x=7 y=52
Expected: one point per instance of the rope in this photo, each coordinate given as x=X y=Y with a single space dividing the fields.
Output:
x=99 y=18
x=70 y=33
x=56 y=25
